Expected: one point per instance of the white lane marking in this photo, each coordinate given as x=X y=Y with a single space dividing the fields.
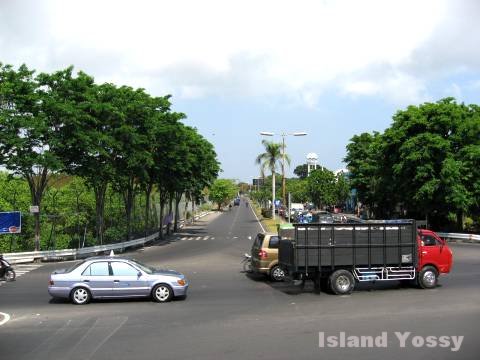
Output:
x=206 y=237
x=263 y=229
x=6 y=317
x=184 y=238
x=213 y=238
x=198 y=238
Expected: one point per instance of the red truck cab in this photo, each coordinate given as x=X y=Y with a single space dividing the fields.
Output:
x=434 y=257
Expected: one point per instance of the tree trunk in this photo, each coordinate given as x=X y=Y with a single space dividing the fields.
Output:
x=178 y=198
x=148 y=191
x=170 y=212
x=163 y=200
x=193 y=211
x=273 y=194
x=100 y=191
x=460 y=220
x=128 y=198
x=37 y=185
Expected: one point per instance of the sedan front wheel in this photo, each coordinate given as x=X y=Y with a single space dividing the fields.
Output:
x=162 y=293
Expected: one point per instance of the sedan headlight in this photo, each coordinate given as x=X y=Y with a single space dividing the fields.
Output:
x=181 y=282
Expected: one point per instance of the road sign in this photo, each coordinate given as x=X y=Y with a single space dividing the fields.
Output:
x=258 y=182
x=10 y=222
x=34 y=209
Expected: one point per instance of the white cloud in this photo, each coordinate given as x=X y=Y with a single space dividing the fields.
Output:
x=300 y=50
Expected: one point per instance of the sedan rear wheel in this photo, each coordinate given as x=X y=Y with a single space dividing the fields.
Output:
x=162 y=293
x=80 y=296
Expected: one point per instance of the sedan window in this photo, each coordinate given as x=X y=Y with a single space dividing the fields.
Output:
x=97 y=269
x=123 y=269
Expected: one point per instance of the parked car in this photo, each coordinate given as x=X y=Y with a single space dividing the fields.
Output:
x=115 y=277
x=265 y=256
x=295 y=207
x=236 y=202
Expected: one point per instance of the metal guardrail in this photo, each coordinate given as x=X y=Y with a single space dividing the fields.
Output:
x=25 y=257
x=462 y=237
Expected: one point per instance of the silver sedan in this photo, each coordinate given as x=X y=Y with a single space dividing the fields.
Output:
x=115 y=277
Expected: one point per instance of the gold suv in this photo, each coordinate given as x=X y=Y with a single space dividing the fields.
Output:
x=265 y=256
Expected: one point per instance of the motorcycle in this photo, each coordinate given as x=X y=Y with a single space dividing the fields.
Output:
x=9 y=273
x=247 y=263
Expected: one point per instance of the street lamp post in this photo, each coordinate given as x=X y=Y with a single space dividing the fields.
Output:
x=283 y=135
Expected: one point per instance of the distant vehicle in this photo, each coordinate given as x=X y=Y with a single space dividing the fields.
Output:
x=337 y=256
x=265 y=256
x=323 y=217
x=295 y=207
x=6 y=270
x=115 y=277
x=236 y=202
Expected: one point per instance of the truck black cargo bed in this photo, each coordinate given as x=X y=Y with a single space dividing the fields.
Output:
x=369 y=245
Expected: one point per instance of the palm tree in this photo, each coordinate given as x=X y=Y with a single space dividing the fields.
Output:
x=268 y=160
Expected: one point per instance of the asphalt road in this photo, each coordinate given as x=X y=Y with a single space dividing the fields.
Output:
x=228 y=315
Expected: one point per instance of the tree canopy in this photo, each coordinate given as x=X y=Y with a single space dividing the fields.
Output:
x=110 y=136
x=424 y=165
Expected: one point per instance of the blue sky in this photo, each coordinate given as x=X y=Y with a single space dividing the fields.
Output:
x=331 y=68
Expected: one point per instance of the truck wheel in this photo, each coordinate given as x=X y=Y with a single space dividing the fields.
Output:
x=428 y=277
x=342 y=282
x=277 y=273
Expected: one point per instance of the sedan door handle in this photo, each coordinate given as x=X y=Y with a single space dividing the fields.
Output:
x=86 y=280
x=116 y=280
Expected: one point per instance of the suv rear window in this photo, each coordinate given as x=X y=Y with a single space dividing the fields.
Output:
x=258 y=241
x=273 y=244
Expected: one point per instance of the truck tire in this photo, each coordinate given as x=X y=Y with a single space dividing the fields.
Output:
x=277 y=273
x=342 y=282
x=427 y=278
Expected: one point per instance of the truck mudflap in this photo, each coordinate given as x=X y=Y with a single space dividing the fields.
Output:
x=385 y=273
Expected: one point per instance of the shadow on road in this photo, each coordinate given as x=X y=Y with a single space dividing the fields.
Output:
x=289 y=288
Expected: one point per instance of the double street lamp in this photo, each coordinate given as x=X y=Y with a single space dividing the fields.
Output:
x=283 y=135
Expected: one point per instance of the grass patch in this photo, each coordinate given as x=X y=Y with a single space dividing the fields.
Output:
x=270 y=225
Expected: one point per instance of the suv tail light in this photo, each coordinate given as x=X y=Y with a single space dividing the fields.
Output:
x=262 y=254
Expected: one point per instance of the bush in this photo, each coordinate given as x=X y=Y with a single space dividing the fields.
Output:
x=206 y=207
x=267 y=213
x=113 y=235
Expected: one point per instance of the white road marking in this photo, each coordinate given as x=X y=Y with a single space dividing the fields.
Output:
x=184 y=238
x=6 y=317
x=206 y=237
x=263 y=229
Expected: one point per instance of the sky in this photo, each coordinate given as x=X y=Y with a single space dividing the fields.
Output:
x=331 y=68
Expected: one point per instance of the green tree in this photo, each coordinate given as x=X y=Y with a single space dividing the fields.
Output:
x=342 y=189
x=364 y=161
x=28 y=131
x=298 y=189
x=301 y=171
x=222 y=191
x=321 y=186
